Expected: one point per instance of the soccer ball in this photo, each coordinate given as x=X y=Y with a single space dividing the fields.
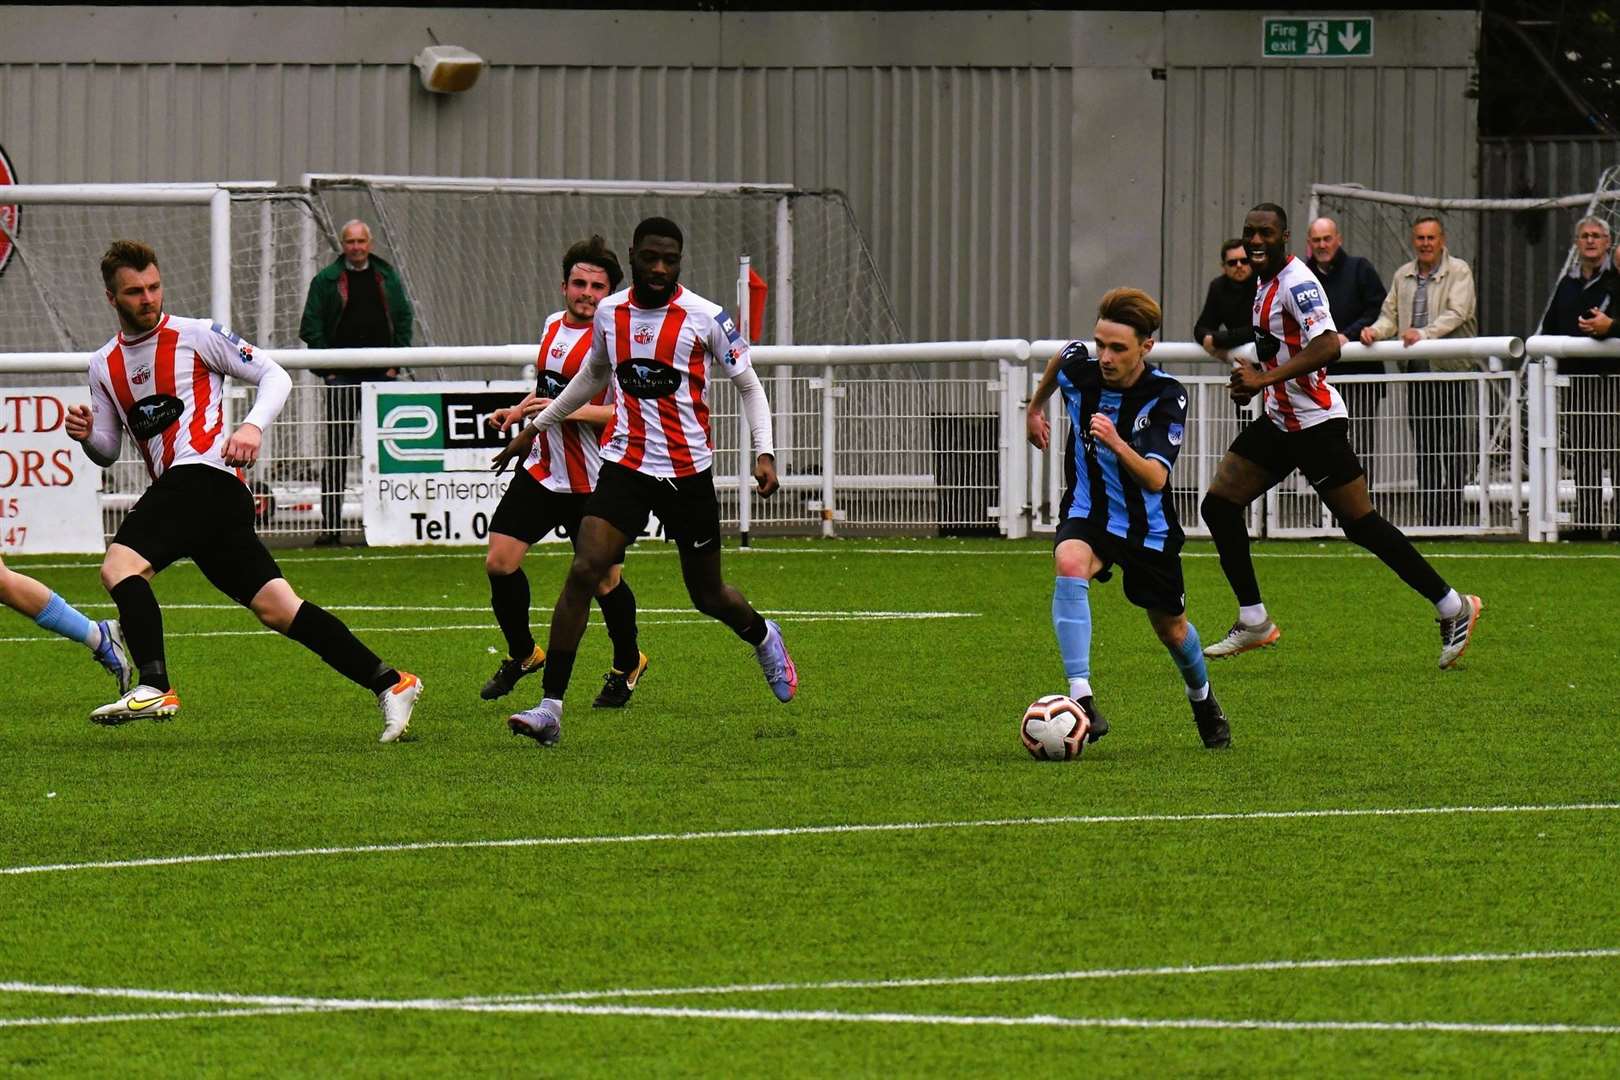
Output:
x=1054 y=728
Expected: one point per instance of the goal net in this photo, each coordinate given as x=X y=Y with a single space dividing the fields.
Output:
x=1517 y=248
x=481 y=259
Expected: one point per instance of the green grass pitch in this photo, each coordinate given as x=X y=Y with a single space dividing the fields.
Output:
x=873 y=880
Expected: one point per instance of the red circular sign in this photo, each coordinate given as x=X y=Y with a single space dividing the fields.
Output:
x=10 y=215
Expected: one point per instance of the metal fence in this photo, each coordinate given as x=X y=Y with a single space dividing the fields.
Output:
x=908 y=439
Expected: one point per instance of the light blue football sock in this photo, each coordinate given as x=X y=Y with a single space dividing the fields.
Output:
x=1190 y=661
x=60 y=617
x=1071 y=618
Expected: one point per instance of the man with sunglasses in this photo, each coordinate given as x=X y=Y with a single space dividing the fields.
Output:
x=1225 y=321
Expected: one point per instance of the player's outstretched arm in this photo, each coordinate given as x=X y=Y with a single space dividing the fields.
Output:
x=1250 y=380
x=592 y=376
x=96 y=429
x=1036 y=427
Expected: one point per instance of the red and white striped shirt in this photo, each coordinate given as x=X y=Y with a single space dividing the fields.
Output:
x=664 y=360
x=186 y=359
x=565 y=457
x=1291 y=311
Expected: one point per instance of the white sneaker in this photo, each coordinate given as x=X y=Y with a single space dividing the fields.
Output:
x=1240 y=639
x=543 y=723
x=396 y=703
x=141 y=703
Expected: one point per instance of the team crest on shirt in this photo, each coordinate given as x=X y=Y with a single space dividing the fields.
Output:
x=1142 y=422
x=643 y=334
x=140 y=375
x=557 y=351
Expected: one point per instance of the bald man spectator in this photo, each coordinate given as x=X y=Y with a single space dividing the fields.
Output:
x=1433 y=297
x=356 y=302
x=1355 y=294
x=1586 y=304
x=1228 y=316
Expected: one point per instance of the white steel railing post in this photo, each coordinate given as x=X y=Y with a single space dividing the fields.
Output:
x=1549 y=459
x=219 y=256
x=1536 y=529
x=745 y=437
x=1515 y=449
x=266 y=313
x=1013 y=469
x=829 y=452
x=1482 y=399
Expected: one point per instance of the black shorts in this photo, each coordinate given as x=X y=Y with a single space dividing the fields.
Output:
x=685 y=504
x=1152 y=578
x=529 y=510
x=1321 y=452
x=205 y=514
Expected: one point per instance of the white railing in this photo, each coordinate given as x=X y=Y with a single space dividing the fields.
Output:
x=916 y=436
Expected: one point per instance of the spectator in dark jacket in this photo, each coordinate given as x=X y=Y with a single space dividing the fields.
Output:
x=356 y=302
x=1586 y=304
x=1225 y=322
x=1355 y=292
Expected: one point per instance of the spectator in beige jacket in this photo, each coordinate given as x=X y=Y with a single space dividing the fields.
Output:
x=1433 y=297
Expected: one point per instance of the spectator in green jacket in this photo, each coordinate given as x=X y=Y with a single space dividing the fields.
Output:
x=356 y=302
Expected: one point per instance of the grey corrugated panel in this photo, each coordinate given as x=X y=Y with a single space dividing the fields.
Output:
x=1237 y=135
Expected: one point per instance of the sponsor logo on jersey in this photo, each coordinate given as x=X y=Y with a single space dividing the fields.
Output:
x=1175 y=434
x=733 y=356
x=141 y=375
x=151 y=416
x=10 y=214
x=550 y=384
x=226 y=333
x=642 y=335
x=245 y=351
x=1308 y=296
x=727 y=324
x=648 y=379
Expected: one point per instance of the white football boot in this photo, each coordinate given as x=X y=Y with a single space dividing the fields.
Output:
x=396 y=703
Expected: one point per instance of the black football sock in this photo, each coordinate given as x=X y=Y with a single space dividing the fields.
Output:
x=509 y=597
x=1395 y=551
x=619 y=613
x=142 y=620
x=324 y=634
x=1231 y=536
x=559 y=669
x=755 y=632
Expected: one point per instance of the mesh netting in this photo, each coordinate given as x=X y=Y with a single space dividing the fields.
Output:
x=1517 y=248
x=484 y=267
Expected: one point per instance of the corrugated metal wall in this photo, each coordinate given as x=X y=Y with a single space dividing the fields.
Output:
x=1261 y=131
x=955 y=174
x=1006 y=167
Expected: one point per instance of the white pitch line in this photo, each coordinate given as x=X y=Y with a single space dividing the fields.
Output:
x=762 y=552
x=1326 y=964
x=122 y=1018
x=786 y=612
x=805 y=830
x=696 y=620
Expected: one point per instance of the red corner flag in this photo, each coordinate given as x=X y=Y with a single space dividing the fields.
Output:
x=756 y=305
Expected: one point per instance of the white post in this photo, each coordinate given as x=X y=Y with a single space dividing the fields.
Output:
x=1533 y=374
x=1014 y=470
x=829 y=452
x=219 y=262
x=745 y=437
x=1515 y=449
x=1549 y=460
x=1484 y=435
x=782 y=305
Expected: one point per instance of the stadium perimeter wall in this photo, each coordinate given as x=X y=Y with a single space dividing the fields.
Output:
x=1006 y=167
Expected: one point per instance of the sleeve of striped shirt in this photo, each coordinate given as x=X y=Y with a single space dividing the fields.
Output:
x=228 y=354
x=106 y=424
x=1306 y=301
x=727 y=342
x=1167 y=425
x=757 y=410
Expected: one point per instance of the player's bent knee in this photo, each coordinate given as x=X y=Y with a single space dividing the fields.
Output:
x=1365 y=528
x=1214 y=509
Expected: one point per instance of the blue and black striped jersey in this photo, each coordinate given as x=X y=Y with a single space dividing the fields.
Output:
x=1151 y=416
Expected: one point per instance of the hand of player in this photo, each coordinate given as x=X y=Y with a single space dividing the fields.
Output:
x=1595 y=322
x=517 y=448
x=1037 y=429
x=765 y=475
x=1244 y=382
x=535 y=406
x=1104 y=431
x=499 y=419
x=1411 y=337
x=242 y=448
x=79 y=422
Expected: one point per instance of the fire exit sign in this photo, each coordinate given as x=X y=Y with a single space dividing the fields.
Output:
x=1312 y=39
